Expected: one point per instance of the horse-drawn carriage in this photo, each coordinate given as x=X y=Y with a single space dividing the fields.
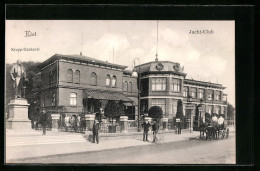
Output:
x=213 y=130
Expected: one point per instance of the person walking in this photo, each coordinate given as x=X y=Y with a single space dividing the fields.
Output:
x=44 y=121
x=95 y=131
x=146 y=126
x=155 y=129
x=179 y=126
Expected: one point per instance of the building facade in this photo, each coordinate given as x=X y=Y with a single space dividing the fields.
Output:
x=163 y=83
x=84 y=85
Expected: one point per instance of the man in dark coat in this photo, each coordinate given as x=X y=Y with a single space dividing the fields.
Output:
x=179 y=126
x=95 y=131
x=155 y=128
x=146 y=126
x=44 y=121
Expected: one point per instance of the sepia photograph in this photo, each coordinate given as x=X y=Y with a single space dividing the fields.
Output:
x=120 y=92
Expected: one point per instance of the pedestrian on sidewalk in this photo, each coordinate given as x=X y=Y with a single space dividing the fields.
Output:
x=95 y=131
x=146 y=126
x=179 y=127
x=155 y=129
x=44 y=121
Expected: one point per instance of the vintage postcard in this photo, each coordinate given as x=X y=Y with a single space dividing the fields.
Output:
x=120 y=92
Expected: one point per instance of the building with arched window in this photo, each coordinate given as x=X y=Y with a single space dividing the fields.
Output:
x=85 y=85
x=163 y=83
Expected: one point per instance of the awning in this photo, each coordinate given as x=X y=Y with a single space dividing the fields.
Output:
x=129 y=104
x=102 y=95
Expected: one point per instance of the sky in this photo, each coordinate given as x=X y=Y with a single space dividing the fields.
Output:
x=205 y=57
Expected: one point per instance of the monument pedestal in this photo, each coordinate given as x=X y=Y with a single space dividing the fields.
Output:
x=18 y=115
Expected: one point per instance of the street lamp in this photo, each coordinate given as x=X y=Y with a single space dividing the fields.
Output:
x=189 y=102
x=200 y=110
x=138 y=75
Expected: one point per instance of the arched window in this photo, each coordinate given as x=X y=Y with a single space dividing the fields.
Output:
x=108 y=80
x=77 y=76
x=70 y=75
x=53 y=99
x=93 y=78
x=44 y=101
x=130 y=87
x=114 y=81
x=125 y=88
x=73 y=99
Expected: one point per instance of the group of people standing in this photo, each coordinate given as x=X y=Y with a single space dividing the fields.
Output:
x=146 y=126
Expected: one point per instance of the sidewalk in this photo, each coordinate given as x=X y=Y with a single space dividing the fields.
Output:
x=14 y=154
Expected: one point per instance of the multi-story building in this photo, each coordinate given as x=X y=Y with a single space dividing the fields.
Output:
x=84 y=85
x=163 y=83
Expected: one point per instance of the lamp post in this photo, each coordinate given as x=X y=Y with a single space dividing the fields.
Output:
x=139 y=75
x=189 y=102
x=200 y=110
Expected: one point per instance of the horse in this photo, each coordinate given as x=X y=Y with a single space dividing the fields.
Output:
x=202 y=129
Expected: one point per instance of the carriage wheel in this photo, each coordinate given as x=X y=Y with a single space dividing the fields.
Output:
x=227 y=133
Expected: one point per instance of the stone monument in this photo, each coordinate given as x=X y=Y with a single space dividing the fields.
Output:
x=18 y=107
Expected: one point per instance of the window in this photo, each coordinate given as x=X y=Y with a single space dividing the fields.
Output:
x=93 y=78
x=217 y=95
x=219 y=109
x=159 y=102
x=193 y=92
x=210 y=94
x=174 y=108
x=108 y=80
x=70 y=75
x=53 y=99
x=73 y=99
x=114 y=81
x=125 y=88
x=44 y=101
x=210 y=109
x=201 y=93
x=158 y=84
x=185 y=91
x=176 y=84
x=51 y=77
x=77 y=76
x=130 y=87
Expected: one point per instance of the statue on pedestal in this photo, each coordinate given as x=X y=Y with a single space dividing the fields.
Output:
x=18 y=75
x=18 y=107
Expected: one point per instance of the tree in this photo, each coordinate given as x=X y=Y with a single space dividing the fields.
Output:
x=230 y=111
x=112 y=110
x=155 y=112
x=179 y=113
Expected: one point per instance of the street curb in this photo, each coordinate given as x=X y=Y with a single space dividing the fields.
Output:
x=82 y=152
x=92 y=151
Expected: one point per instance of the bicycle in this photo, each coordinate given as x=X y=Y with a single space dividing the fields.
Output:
x=159 y=139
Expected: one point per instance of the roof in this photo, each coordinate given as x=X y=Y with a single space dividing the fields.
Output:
x=202 y=83
x=127 y=72
x=102 y=95
x=79 y=58
x=161 y=67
